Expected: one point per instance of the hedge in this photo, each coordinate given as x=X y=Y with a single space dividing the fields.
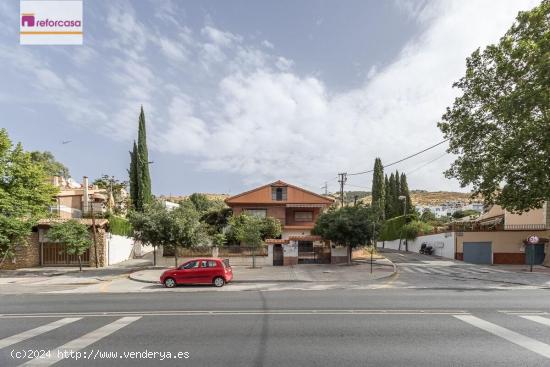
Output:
x=391 y=229
x=120 y=226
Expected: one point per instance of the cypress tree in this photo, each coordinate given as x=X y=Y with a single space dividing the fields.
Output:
x=397 y=204
x=404 y=186
x=392 y=196
x=378 y=190
x=132 y=173
x=387 y=198
x=144 y=177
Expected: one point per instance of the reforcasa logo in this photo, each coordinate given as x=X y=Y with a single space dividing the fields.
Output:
x=28 y=20
x=51 y=22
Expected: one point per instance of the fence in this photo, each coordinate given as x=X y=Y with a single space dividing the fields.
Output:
x=225 y=251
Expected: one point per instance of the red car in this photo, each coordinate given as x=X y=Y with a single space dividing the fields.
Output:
x=199 y=271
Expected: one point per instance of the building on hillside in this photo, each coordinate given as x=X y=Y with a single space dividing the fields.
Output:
x=39 y=251
x=447 y=209
x=77 y=200
x=297 y=209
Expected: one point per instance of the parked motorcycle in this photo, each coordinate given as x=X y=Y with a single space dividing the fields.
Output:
x=426 y=250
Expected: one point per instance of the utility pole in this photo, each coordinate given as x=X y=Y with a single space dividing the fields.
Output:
x=342 y=178
x=325 y=187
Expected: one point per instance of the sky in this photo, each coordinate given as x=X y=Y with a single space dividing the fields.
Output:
x=238 y=94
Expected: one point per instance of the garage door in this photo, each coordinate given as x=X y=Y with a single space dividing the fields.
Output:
x=478 y=252
x=534 y=253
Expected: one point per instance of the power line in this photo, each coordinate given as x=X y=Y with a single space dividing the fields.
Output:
x=425 y=164
x=400 y=160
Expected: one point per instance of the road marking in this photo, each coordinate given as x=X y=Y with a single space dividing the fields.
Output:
x=422 y=270
x=245 y=312
x=516 y=338
x=14 y=339
x=439 y=271
x=539 y=319
x=496 y=270
x=82 y=342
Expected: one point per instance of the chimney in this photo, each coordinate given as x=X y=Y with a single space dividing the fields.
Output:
x=85 y=195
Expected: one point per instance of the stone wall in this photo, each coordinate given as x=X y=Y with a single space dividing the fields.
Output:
x=26 y=256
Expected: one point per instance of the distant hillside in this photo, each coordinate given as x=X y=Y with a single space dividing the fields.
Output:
x=210 y=196
x=421 y=197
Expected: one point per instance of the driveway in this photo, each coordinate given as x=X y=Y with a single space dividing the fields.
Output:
x=417 y=270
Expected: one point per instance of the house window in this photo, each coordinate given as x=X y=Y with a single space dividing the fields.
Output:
x=303 y=216
x=258 y=213
x=278 y=193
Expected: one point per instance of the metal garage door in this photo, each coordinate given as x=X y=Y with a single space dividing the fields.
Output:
x=537 y=257
x=478 y=252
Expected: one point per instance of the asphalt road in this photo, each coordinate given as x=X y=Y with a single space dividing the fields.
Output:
x=441 y=315
x=384 y=327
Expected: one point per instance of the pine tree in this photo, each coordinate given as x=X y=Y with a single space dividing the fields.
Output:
x=143 y=162
x=378 y=189
x=404 y=187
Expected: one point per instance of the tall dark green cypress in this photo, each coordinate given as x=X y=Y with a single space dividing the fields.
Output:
x=144 y=177
x=133 y=175
x=387 y=198
x=404 y=187
x=397 y=204
x=392 y=196
x=378 y=189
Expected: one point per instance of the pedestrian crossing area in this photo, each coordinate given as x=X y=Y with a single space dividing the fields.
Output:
x=83 y=334
x=457 y=270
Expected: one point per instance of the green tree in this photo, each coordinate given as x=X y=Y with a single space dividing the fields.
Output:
x=201 y=202
x=144 y=177
x=117 y=189
x=175 y=228
x=378 y=189
x=465 y=213
x=51 y=166
x=404 y=187
x=74 y=235
x=139 y=176
x=499 y=126
x=388 y=202
x=248 y=230
x=25 y=195
x=427 y=216
x=349 y=226
x=134 y=179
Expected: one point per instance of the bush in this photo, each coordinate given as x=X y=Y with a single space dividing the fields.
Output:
x=414 y=229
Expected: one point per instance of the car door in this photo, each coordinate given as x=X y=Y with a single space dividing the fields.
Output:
x=205 y=272
x=187 y=273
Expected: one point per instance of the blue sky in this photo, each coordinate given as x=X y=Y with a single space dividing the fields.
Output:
x=241 y=93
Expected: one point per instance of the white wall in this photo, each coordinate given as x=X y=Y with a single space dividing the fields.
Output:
x=119 y=248
x=443 y=244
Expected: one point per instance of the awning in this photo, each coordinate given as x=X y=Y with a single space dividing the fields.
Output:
x=305 y=238
x=276 y=241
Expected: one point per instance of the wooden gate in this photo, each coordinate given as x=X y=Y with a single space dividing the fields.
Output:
x=54 y=255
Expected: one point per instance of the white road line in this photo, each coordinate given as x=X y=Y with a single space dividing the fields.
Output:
x=422 y=270
x=82 y=342
x=407 y=270
x=539 y=319
x=14 y=339
x=439 y=271
x=495 y=270
x=516 y=338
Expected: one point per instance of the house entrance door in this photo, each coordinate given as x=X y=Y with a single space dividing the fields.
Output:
x=277 y=255
x=305 y=252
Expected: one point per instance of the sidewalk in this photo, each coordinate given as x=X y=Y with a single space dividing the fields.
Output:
x=71 y=275
x=359 y=271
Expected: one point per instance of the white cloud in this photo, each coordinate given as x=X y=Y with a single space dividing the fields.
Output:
x=274 y=124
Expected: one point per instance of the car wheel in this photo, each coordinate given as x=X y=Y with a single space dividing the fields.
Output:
x=169 y=283
x=218 y=282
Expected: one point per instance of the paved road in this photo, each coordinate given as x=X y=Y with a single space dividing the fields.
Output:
x=376 y=327
x=459 y=316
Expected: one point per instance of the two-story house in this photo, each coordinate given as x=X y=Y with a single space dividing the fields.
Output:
x=297 y=209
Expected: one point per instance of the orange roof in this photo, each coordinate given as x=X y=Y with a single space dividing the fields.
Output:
x=276 y=241
x=99 y=222
x=262 y=195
